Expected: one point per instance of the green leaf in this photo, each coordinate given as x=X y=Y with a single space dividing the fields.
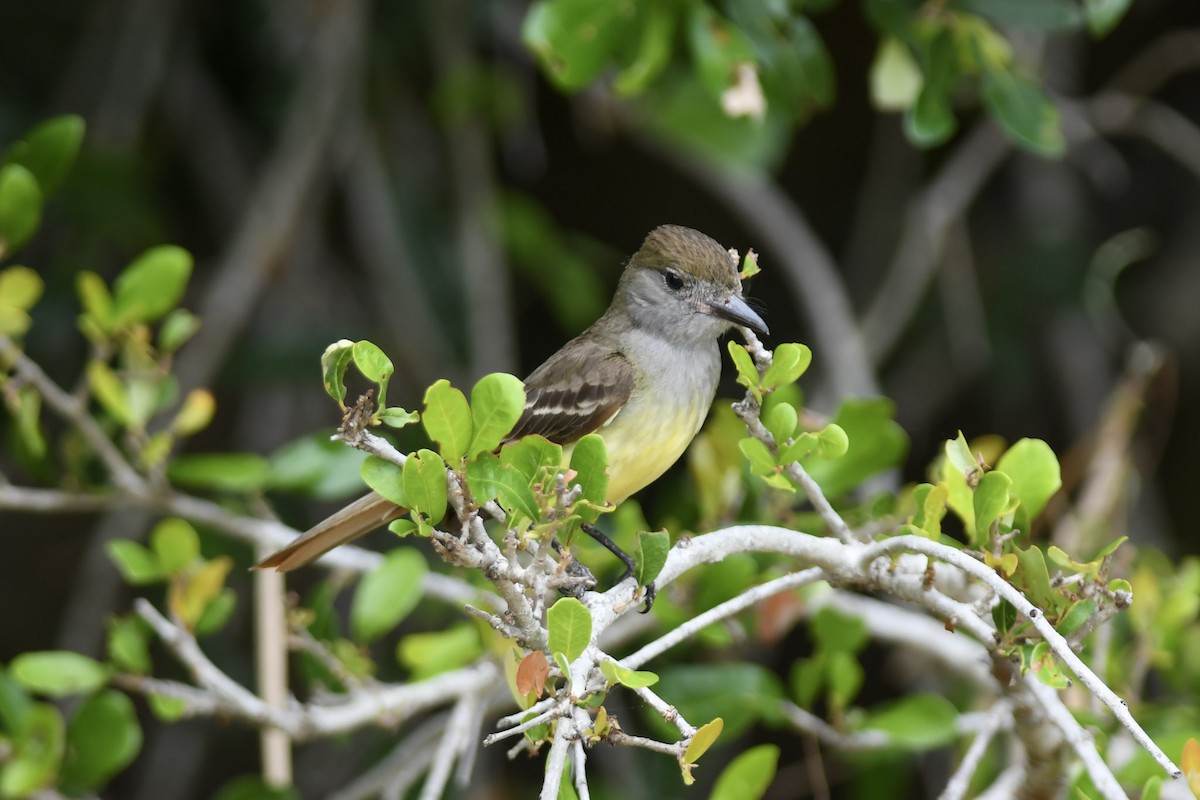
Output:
x=151 y=285
x=844 y=678
x=1034 y=471
x=657 y=26
x=58 y=673
x=168 y=709
x=574 y=40
x=760 y=457
x=653 y=547
x=781 y=420
x=177 y=327
x=49 y=150
x=917 y=722
x=110 y=392
x=832 y=441
x=748 y=776
x=176 y=544
x=1033 y=579
x=334 y=361
x=632 y=679
x=717 y=48
x=747 y=372
x=429 y=654
x=895 y=77
x=589 y=459
x=1103 y=15
x=20 y=207
x=374 y=365
x=28 y=426
x=1023 y=111
x=424 y=478
x=137 y=565
x=789 y=362
x=931 y=121
x=129 y=644
x=834 y=630
x=103 y=738
x=95 y=298
x=569 y=627
x=704 y=738
x=240 y=473
x=447 y=419
x=34 y=760
x=992 y=501
x=1046 y=668
x=874 y=443
x=396 y=417
x=387 y=594
x=195 y=413
x=1152 y=788
x=497 y=401
x=217 y=612
x=16 y=706
x=1041 y=15
x=20 y=287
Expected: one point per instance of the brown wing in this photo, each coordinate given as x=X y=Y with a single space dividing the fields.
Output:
x=360 y=517
x=577 y=390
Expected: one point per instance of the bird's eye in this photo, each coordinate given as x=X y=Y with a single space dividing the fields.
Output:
x=673 y=280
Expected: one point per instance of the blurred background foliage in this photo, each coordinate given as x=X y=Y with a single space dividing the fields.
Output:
x=982 y=209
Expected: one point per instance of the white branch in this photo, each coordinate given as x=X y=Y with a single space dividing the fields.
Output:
x=996 y=718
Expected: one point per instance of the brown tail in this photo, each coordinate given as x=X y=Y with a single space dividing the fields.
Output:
x=362 y=516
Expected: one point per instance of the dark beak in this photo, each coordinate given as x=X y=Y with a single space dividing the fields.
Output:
x=736 y=311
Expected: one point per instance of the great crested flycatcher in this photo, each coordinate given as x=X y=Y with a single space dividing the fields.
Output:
x=643 y=376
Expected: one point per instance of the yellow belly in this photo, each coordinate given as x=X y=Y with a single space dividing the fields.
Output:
x=643 y=443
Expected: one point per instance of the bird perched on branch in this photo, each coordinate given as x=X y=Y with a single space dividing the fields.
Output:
x=643 y=376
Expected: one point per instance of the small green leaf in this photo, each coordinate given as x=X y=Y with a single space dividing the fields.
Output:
x=762 y=460
x=931 y=508
x=748 y=776
x=632 y=679
x=489 y=479
x=916 y=722
x=34 y=759
x=747 y=372
x=387 y=594
x=27 y=421
x=844 y=677
x=403 y=527
x=781 y=420
x=1034 y=471
x=103 y=738
x=1152 y=788
x=48 y=150
x=217 y=612
x=704 y=738
x=834 y=630
x=129 y=645
x=137 y=565
x=895 y=77
x=58 y=673
x=334 y=361
x=657 y=27
x=788 y=363
x=374 y=365
x=832 y=441
x=1102 y=16
x=424 y=478
x=396 y=417
x=1033 y=579
x=95 y=298
x=750 y=266
x=317 y=467
x=385 y=478
x=429 y=654
x=447 y=419
x=20 y=207
x=569 y=627
x=195 y=413
x=110 y=392
x=16 y=706
x=931 y=120
x=151 y=285
x=176 y=544
x=1046 y=668
x=497 y=401
x=575 y=40
x=20 y=287
x=1023 y=111
x=992 y=500
x=168 y=709
x=228 y=472
x=190 y=593
x=589 y=459
x=653 y=547
x=177 y=327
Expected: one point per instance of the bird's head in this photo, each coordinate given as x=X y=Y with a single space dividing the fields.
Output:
x=684 y=285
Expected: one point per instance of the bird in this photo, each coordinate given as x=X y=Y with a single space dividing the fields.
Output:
x=643 y=377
